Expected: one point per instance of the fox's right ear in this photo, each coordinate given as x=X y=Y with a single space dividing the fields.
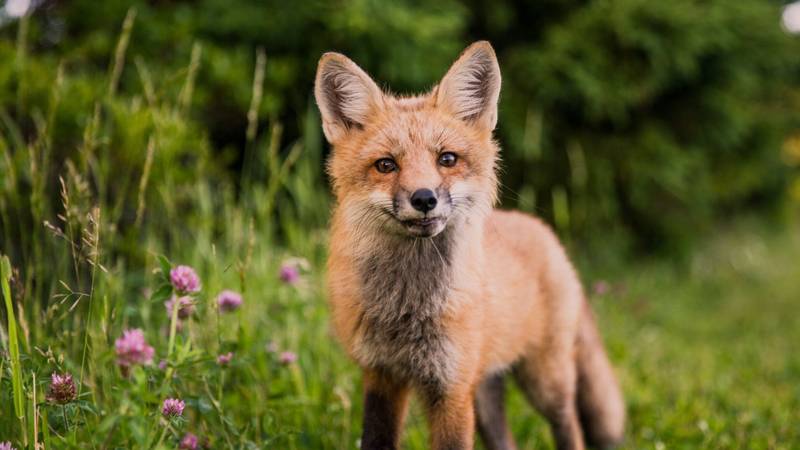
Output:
x=471 y=88
x=345 y=94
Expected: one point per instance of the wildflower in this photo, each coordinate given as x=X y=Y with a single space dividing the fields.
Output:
x=189 y=442
x=224 y=359
x=289 y=274
x=162 y=365
x=601 y=287
x=6 y=446
x=62 y=389
x=229 y=301
x=132 y=349
x=184 y=279
x=172 y=407
x=288 y=357
x=185 y=309
x=292 y=268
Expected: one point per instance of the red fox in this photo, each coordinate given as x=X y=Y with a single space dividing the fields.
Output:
x=434 y=291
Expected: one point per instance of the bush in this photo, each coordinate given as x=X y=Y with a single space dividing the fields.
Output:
x=648 y=121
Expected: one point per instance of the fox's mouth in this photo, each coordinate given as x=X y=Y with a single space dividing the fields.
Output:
x=426 y=222
x=425 y=227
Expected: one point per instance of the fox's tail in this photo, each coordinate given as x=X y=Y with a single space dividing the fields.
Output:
x=600 y=401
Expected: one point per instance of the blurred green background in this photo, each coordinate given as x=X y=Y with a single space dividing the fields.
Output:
x=650 y=121
x=660 y=139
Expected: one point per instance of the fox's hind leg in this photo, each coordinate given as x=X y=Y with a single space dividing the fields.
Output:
x=548 y=377
x=490 y=414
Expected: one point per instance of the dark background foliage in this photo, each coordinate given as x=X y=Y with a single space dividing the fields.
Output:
x=628 y=121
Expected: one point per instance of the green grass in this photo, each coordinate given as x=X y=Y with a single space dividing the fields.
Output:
x=705 y=350
x=705 y=355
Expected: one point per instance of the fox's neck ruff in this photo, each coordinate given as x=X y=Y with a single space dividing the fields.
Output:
x=408 y=275
x=404 y=292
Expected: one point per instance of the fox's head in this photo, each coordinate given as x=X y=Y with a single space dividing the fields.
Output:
x=412 y=166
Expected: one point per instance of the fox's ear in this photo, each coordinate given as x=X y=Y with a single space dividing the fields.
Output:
x=471 y=87
x=346 y=95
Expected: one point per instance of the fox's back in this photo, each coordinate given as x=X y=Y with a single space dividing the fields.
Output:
x=530 y=295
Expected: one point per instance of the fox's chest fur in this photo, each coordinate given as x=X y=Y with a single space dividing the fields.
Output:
x=404 y=292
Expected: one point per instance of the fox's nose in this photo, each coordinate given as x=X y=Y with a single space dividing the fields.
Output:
x=423 y=200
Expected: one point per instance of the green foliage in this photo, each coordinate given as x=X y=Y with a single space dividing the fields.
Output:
x=657 y=117
x=648 y=120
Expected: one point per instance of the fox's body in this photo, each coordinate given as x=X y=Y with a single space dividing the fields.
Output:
x=434 y=291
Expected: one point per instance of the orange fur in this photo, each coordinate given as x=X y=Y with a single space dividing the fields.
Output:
x=504 y=294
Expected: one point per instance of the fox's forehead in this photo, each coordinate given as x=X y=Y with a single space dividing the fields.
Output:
x=411 y=125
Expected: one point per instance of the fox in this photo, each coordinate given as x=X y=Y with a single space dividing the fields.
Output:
x=435 y=292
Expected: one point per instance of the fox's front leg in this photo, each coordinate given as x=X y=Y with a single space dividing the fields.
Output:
x=385 y=404
x=451 y=417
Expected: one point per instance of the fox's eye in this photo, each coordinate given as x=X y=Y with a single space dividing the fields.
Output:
x=385 y=165
x=448 y=159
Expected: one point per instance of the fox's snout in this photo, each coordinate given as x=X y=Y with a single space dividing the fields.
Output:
x=421 y=203
x=423 y=212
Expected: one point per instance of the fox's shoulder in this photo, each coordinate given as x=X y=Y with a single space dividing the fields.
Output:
x=516 y=224
x=520 y=233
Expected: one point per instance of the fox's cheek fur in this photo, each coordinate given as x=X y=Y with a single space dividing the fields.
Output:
x=372 y=212
x=470 y=200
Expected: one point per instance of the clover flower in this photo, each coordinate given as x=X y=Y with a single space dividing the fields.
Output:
x=62 y=389
x=287 y=358
x=173 y=407
x=184 y=279
x=289 y=274
x=189 y=442
x=228 y=300
x=225 y=359
x=292 y=269
x=132 y=349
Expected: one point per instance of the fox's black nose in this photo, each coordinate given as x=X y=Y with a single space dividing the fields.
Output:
x=423 y=200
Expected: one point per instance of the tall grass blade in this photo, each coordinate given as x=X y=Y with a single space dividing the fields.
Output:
x=148 y=163
x=250 y=156
x=119 y=55
x=185 y=97
x=13 y=344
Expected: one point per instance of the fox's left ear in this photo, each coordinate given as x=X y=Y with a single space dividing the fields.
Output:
x=471 y=87
x=346 y=96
